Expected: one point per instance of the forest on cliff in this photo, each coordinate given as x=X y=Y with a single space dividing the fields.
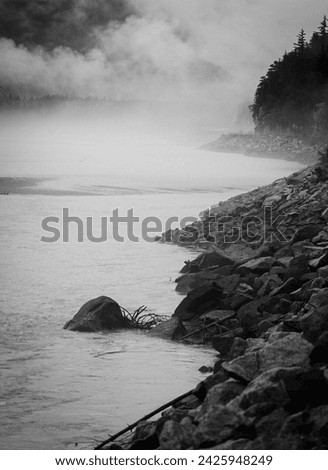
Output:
x=293 y=95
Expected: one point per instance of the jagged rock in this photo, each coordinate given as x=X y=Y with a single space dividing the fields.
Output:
x=102 y=313
x=217 y=315
x=240 y=299
x=170 y=329
x=189 y=282
x=315 y=322
x=320 y=350
x=224 y=393
x=199 y=301
x=271 y=282
x=309 y=427
x=229 y=283
x=258 y=266
x=249 y=315
x=244 y=368
x=268 y=390
x=289 y=351
x=307 y=233
x=210 y=259
x=323 y=272
x=285 y=350
x=176 y=436
x=286 y=288
x=238 y=348
x=216 y=424
x=297 y=268
x=223 y=343
x=145 y=436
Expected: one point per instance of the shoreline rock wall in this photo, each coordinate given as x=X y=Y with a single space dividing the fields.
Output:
x=269 y=388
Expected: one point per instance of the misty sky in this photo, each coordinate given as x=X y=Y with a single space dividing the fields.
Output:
x=192 y=50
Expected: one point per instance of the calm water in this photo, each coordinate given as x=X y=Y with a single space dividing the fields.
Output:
x=59 y=388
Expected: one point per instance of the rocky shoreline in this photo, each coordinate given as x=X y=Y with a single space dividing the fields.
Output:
x=261 y=300
x=287 y=147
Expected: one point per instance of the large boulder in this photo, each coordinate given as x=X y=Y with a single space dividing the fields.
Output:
x=98 y=314
x=170 y=329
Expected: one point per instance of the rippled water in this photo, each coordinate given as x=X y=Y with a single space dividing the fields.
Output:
x=59 y=388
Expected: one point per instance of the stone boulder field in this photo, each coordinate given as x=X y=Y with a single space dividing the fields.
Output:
x=261 y=300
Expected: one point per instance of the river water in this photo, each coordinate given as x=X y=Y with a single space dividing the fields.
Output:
x=60 y=389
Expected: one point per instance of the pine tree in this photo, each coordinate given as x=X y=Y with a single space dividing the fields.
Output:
x=301 y=42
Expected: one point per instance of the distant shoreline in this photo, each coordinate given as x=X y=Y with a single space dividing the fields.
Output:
x=285 y=147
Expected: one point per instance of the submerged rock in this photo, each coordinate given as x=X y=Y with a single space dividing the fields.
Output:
x=102 y=313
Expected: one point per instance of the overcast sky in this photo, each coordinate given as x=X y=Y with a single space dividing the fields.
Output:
x=193 y=50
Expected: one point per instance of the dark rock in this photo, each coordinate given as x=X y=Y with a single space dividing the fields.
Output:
x=240 y=299
x=223 y=393
x=199 y=301
x=309 y=427
x=205 y=369
x=319 y=355
x=216 y=424
x=297 y=268
x=145 y=436
x=249 y=315
x=223 y=343
x=319 y=262
x=315 y=322
x=170 y=329
x=323 y=272
x=307 y=233
x=238 y=348
x=217 y=315
x=229 y=283
x=176 y=436
x=189 y=282
x=256 y=266
x=244 y=368
x=208 y=260
x=289 y=286
x=290 y=350
x=305 y=388
x=98 y=314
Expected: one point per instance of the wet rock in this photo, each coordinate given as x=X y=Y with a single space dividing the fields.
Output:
x=256 y=266
x=223 y=343
x=102 y=313
x=199 y=301
x=170 y=329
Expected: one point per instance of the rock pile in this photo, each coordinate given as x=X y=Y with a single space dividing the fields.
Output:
x=264 y=306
